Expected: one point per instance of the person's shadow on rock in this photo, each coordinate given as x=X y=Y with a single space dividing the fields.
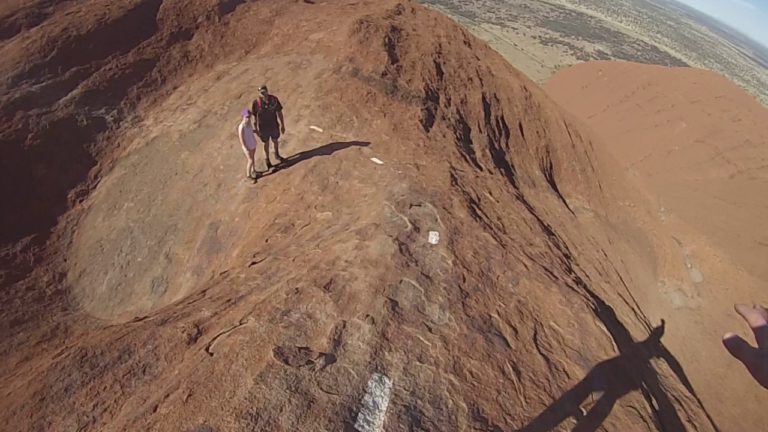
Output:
x=324 y=150
x=615 y=378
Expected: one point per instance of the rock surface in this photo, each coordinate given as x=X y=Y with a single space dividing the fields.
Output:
x=147 y=286
x=695 y=144
x=695 y=139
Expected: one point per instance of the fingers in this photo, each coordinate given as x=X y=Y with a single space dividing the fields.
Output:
x=757 y=318
x=740 y=349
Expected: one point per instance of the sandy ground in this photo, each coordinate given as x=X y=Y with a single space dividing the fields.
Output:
x=538 y=62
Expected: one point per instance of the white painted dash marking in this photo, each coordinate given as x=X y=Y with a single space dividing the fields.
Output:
x=374 y=404
x=315 y=128
x=434 y=237
x=377 y=161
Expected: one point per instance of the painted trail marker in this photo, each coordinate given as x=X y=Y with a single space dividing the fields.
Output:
x=315 y=128
x=377 y=161
x=374 y=404
x=434 y=237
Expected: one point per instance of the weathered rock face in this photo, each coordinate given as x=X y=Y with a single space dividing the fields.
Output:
x=695 y=139
x=175 y=296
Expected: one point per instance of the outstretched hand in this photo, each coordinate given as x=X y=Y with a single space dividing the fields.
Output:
x=755 y=359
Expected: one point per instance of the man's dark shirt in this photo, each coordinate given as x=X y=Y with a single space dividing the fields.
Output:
x=266 y=113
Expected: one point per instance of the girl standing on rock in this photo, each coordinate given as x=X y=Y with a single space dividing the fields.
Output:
x=248 y=142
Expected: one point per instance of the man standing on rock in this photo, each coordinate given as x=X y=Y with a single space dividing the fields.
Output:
x=269 y=122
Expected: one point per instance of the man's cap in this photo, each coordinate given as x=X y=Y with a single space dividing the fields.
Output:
x=263 y=87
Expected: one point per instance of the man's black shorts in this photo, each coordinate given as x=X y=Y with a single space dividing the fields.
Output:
x=265 y=135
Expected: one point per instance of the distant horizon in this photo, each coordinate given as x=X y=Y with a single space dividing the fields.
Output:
x=748 y=17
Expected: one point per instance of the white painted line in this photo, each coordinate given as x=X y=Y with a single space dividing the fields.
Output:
x=377 y=161
x=315 y=128
x=374 y=404
x=434 y=237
